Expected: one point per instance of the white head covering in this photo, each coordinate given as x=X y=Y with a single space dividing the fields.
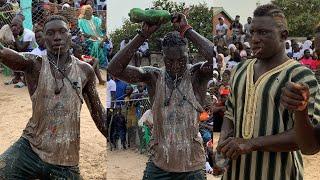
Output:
x=306 y=45
x=232 y=46
x=246 y=44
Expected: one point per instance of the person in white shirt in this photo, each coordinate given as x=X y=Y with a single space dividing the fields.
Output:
x=221 y=29
x=111 y=92
x=41 y=49
x=124 y=43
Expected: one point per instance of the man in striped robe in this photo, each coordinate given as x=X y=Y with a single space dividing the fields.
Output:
x=257 y=132
x=294 y=97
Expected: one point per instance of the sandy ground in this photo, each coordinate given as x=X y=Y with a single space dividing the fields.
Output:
x=15 y=110
x=129 y=164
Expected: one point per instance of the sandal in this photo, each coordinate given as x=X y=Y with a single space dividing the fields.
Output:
x=19 y=85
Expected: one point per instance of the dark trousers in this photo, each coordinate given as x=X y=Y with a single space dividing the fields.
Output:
x=152 y=172
x=21 y=162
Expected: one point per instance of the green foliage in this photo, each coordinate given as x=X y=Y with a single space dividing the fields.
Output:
x=200 y=18
x=302 y=16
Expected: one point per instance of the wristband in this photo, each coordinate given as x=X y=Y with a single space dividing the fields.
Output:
x=184 y=30
x=1 y=46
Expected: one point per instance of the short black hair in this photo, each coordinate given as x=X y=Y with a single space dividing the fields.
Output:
x=273 y=11
x=56 y=18
x=173 y=39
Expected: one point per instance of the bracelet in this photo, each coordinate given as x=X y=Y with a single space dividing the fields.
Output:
x=184 y=30
x=140 y=32
x=1 y=46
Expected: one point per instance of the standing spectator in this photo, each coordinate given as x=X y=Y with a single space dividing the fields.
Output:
x=221 y=30
x=120 y=91
x=247 y=29
x=111 y=92
x=237 y=29
x=118 y=128
x=78 y=53
x=110 y=98
x=241 y=49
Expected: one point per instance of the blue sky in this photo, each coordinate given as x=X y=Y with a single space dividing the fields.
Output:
x=118 y=9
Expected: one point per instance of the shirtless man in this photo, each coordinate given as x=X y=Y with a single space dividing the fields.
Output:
x=57 y=84
x=177 y=93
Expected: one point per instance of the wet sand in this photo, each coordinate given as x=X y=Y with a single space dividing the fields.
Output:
x=15 y=110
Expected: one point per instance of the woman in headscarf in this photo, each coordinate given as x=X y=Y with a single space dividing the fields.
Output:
x=94 y=32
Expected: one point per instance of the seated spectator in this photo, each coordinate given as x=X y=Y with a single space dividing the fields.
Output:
x=93 y=30
x=288 y=48
x=78 y=53
x=132 y=122
x=241 y=49
x=24 y=41
x=41 y=50
x=308 y=60
x=143 y=51
x=296 y=52
x=248 y=50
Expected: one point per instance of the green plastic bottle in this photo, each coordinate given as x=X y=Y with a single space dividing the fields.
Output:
x=150 y=16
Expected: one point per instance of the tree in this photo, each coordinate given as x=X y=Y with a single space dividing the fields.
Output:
x=199 y=17
x=302 y=16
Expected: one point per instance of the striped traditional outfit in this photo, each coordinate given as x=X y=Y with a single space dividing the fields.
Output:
x=254 y=108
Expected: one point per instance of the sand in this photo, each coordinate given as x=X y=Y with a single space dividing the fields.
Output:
x=129 y=164
x=15 y=110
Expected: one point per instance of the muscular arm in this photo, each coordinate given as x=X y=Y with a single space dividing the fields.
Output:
x=93 y=102
x=206 y=47
x=307 y=136
x=119 y=65
x=14 y=60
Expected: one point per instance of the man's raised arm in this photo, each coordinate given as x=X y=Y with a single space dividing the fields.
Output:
x=13 y=59
x=119 y=66
x=206 y=47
